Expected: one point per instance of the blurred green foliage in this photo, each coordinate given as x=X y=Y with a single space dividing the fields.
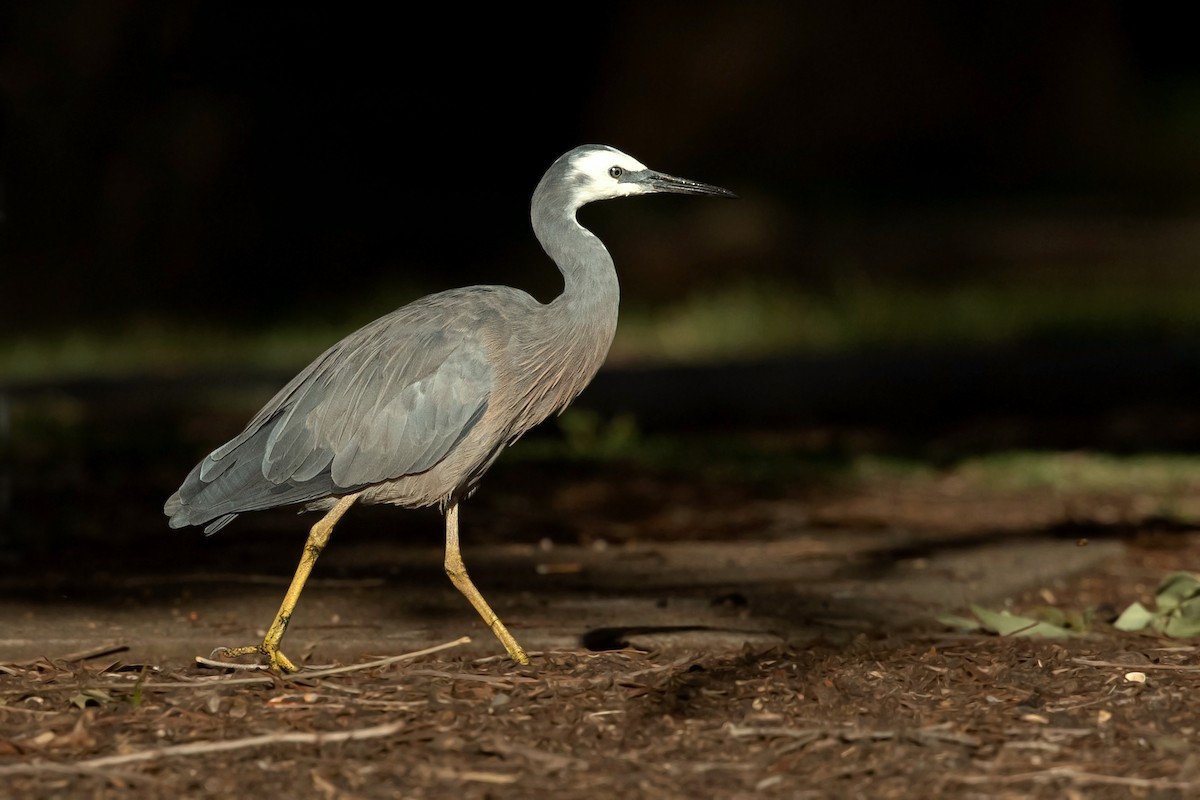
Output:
x=743 y=321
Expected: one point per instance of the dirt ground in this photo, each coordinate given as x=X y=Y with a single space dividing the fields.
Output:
x=728 y=614
x=699 y=639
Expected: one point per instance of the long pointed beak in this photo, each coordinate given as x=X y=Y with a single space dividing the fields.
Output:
x=661 y=182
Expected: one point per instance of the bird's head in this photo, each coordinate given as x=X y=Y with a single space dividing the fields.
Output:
x=599 y=172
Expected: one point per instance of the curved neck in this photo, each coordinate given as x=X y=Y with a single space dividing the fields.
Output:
x=591 y=293
x=589 y=276
x=568 y=339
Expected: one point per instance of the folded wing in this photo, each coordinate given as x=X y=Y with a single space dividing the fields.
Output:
x=391 y=400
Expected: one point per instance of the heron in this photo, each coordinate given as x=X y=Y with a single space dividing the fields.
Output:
x=413 y=408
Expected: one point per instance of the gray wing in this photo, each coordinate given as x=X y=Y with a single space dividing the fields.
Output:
x=392 y=399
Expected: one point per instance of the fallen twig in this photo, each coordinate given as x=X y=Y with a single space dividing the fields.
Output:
x=739 y=731
x=490 y=659
x=205 y=747
x=230 y=665
x=466 y=676
x=54 y=768
x=221 y=680
x=498 y=778
x=1075 y=776
x=1087 y=662
x=81 y=655
x=922 y=736
x=383 y=662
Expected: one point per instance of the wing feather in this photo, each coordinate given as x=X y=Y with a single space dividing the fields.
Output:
x=391 y=399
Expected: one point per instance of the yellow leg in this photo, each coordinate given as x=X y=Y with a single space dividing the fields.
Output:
x=318 y=537
x=458 y=576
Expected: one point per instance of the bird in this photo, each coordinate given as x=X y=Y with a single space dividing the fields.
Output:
x=412 y=409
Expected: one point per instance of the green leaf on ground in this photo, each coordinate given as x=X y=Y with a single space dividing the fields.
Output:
x=1181 y=628
x=1176 y=612
x=1175 y=589
x=1134 y=618
x=1006 y=624
x=963 y=624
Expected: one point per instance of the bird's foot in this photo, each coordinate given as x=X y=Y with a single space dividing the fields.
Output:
x=519 y=655
x=274 y=658
x=515 y=651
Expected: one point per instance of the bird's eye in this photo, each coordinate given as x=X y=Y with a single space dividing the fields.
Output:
x=616 y=172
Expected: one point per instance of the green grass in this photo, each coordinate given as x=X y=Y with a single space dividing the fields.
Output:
x=1083 y=472
x=587 y=436
x=1165 y=486
x=149 y=347
x=745 y=321
x=760 y=320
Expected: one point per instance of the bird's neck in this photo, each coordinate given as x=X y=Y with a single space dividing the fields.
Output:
x=587 y=307
x=574 y=330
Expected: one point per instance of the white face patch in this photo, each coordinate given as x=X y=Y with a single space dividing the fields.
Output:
x=594 y=181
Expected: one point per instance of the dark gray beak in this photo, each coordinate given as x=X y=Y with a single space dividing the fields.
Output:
x=661 y=182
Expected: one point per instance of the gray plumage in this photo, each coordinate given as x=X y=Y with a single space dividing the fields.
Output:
x=414 y=407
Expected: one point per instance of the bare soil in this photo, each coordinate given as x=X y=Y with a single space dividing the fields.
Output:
x=691 y=638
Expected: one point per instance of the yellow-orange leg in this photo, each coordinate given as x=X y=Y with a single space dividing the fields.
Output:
x=458 y=576
x=318 y=537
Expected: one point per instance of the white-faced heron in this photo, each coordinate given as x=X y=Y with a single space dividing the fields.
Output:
x=412 y=409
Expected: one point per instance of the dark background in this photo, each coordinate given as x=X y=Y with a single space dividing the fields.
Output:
x=228 y=168
x=245 y=165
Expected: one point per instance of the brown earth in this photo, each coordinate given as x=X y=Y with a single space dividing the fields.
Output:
x=691 y=637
